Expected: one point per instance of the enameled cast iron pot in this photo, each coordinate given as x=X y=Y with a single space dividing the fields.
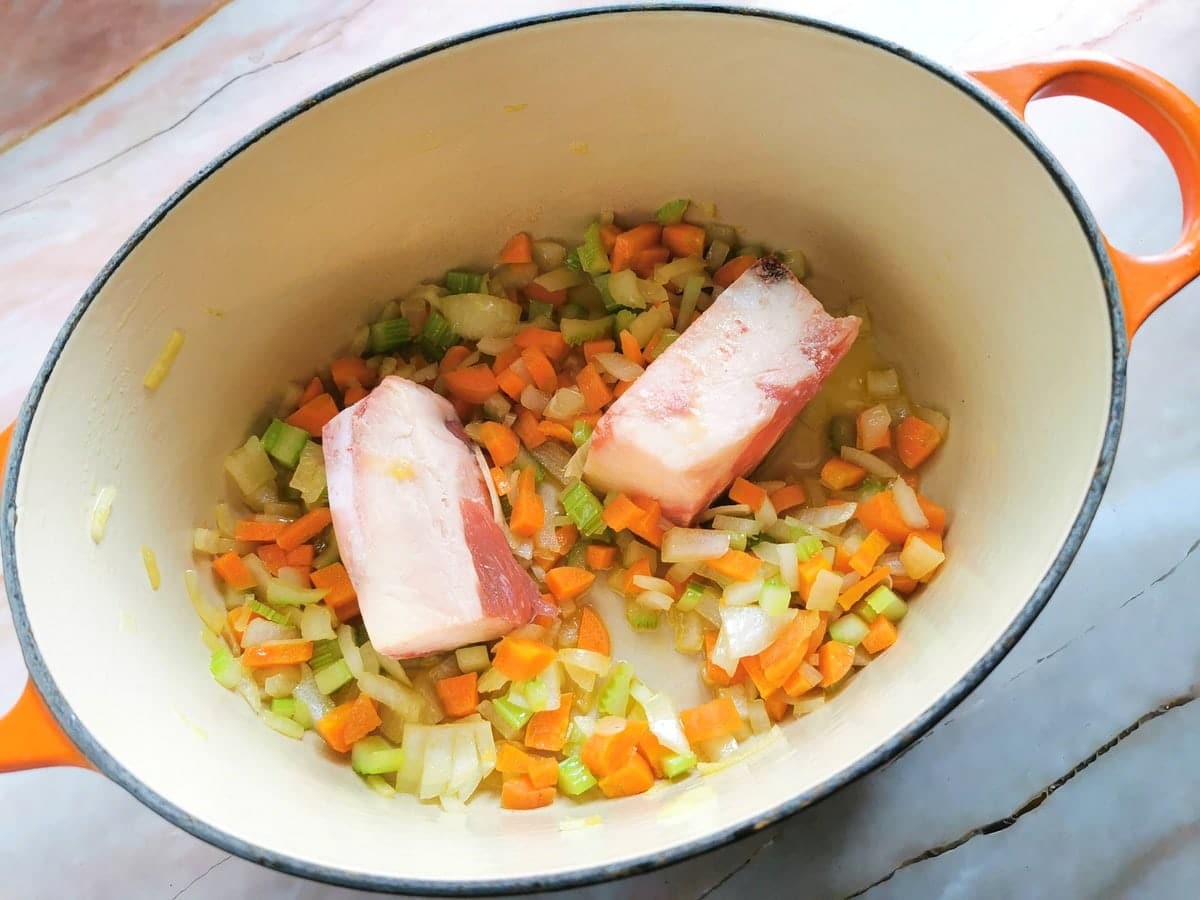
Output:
x=918 y=188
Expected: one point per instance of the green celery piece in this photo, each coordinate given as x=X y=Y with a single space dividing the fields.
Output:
x=329 y=555
x=540 y=310
x=269 y=613
x=572 y=311
x=576 y=331
x=325 y=653
x=225 y=668
x=678 y=763
x=848 y=629
x=672 y=211
x=577 y=556
x=572 y=261
x=622 y=321
x=601 y=284
x=690 y=598
x=536 y=694
x=574 y=777
x=458 y=282
x=332 y=677
x=864 y=612
x=582 y=507
x=592 y=258
x=514 y=716
x=437 y=336
x=388 y=335
x=688 y=301
x=870 y=487
x=284 y=442
x=775 y=597
x=614 y=699
x=284 y=706
x=525 y=459
x=580 y=432
x=302 y=716
x=640 y=618
x=737 y=542
x=887 y=603
x=807 y=547
x=379 y=785
x=375 y=756
x=281 y=594
x=668 y=337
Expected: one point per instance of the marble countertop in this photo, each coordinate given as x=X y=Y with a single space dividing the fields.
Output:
x=1070 y=772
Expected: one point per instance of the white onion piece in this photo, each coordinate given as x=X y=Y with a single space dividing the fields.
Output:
x=404 y=700
x=735 y=525
x=315 y=623
x=873 y=425
x=494 y=346
x=534 y=400
x=566 y=404
x=827 y=516
x=789 y=565
x=743 y=593
x=906 y=502
x=893 y=563
x=574 y=467
x=259 y=631
x=650 y=583
x=693 y=545
x=587 y=660
x=662 y=718
x=345 y=638
x=310 y=695
x=732 y=509
x=933 y=417
x=616 y=365
x=868 y=461
x=654 y=600
x=546 y=537
x=745 y=631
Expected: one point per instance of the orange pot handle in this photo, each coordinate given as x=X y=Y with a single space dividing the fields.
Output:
x=30 y=737
x=1171 y=118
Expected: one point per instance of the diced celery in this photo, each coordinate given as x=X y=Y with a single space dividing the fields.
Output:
x=622 y=321
x=571 y=311
x=463 y=282
x=885 y=602
x=512 y=715
x=737 y=542
x=718 y=252
x=592 y=258
x=375 y=756
x=250 y=466
x=472 y=659
x=678 y=763
x=287 y=727
x=302 y=715
x=775 y=597
x=614 y=699
x=333 y=676
x=205 y=540
x=309 y=477
x=574 y=777
x=576 y=331
x=267 y=612
x=807 y=547
x=380 y=786
x=600 y=282
x=668 y=337
x=870 y=487
x=640 y=618
x=284 y=706
x=540 y=310
x=849 y=629
x=388 y=335
x=437 y=336
x=580 y=432
x=577 y=556
x=535 y=693
x=750 y=250
x=864 y=612
x=280 y=593
x=688 y=301
x=284 y=442
x=672 y=211
x=690 y=598
x=572 y=261
x=581 y=505
x=225 y=668
x=794 y=260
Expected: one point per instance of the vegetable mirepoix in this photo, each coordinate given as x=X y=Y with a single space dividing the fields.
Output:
x=486 y=512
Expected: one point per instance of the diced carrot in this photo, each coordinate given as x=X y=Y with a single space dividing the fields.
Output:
x=344 y=725
x=517 y=249
x=278 y=653
x=814 y=643
x=454 y=356
x=880 y=513
x=641 y=567
x=881 y=635
x=736 y=564
x=934 y=513
x=630 y=243
x=860 y=589
x=864 y=558
x=834 y=661
x=234 y=572
x=684 y=239
x=621 y=387
x=600 y=556
x=916 y=439
x=789 y=648
x=353 y=394
x=501 y=442
x=635 y=777
x=591 y=348
x=350 y=370
x=313 y=415
x=733 y=270
x=717 y=676
x=608 y=236
x=511 y=759
x=342 y=598
x=305 y=528
x=631 y=349
x=301 y=556
x=540 y=369
x=808 y=571
x=459 y=694
x=315 y=389
x=505 y=358
x=593 y=634
x=551 y=343
x=566 y=535
x=596 y=394
x=527 y=429
x=621 y=512
x=535 y=291
x=273 y=557
x=547 y=730
x=788 y=497
x=838 y=474
x=543 y=770
x=521 y=659
x=519 y=793
x=568 y=582
x=237 y=619
x=511 y=383
x=614 y=741
x=647 y=260
x=902 y=584
x=800 y=682
x=473 y=384
x=648 y=526
x=757 y=677
x=714 y=719
x=556 y=431
x=258 y=532
x=652 y=749
x=528 y=513
x=743 y=491
x=777 y=706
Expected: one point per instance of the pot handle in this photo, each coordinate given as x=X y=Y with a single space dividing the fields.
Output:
x=1171 y=118
x=30 y=736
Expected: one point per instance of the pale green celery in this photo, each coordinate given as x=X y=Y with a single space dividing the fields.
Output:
x=513 y=716
x=388 y=335
x=309 y=477
x=672 y=211
x=640 y=618
x=375 y=756
x=284 y=442
x=472 y=659
x=330 y=554
x=807 y=547
x=614 y=699
x=678 y=763
x=849 y=629
x=332 y=677
x=584 y=509
x=885 y=602
x=225 y=668
x=284 y=706
x=775 y=598
x=267 y=612
x=574 y=777
x=380 y=786
x=592 y=258
x=576 y=331
x=250 y=466
x=282 y=594
x=688 y=301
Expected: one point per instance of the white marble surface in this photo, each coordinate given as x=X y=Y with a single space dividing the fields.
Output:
x=1069 y=773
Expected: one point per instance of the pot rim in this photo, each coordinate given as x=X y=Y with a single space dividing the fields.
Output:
x=283 y=862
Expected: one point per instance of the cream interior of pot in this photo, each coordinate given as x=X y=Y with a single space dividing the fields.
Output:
x=900 y=187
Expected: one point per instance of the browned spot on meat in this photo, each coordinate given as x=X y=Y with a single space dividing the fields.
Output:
x=771 y=270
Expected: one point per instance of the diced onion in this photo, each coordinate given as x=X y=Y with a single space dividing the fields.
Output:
x=618 y=366
x=743 y=593
x=566 y=404
x=885 y=383
x=868 y=461
x=693 y=544
x=534 y=400
x=906 y=502
x=494 y=346
x=919 y=559
x=654 y=600
x=827 y=516
x=549 y=254
x=823 y=595
x=476 y=316
x=733 y=509
x=873 y=425
x=587 y=660
x=560 y=279
x=650 y=583
x=735 y=525
x=745 y=631
x=259 y=631
x=404 y=700
x=934 y=418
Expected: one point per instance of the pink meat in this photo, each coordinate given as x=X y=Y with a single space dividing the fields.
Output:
x=711 y=407
x=415 y=526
